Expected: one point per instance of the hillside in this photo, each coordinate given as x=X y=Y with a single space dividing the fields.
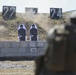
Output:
x=8 y=28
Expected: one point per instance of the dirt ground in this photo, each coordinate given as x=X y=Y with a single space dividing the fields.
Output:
x=17 y=67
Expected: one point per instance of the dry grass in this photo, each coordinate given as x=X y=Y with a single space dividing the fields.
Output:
x=8 y=28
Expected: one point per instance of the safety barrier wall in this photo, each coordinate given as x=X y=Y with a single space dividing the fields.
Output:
x=22 y=48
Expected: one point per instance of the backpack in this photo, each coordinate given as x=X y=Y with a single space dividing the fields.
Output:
x=60 y=55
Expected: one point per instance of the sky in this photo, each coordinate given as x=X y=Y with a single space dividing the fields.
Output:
x=42 y=5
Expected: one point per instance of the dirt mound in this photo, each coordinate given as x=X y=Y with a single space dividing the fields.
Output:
x=8 y=28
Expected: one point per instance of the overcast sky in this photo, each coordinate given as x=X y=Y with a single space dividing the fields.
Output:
x=42 y=5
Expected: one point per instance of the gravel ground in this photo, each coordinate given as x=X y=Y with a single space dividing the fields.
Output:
x=17 y=67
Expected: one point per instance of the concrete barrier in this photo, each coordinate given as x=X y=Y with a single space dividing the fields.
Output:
x=22 y=48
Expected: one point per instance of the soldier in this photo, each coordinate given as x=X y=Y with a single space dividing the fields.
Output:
x=33 y=33
x=22 y=32
x=60 y=55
